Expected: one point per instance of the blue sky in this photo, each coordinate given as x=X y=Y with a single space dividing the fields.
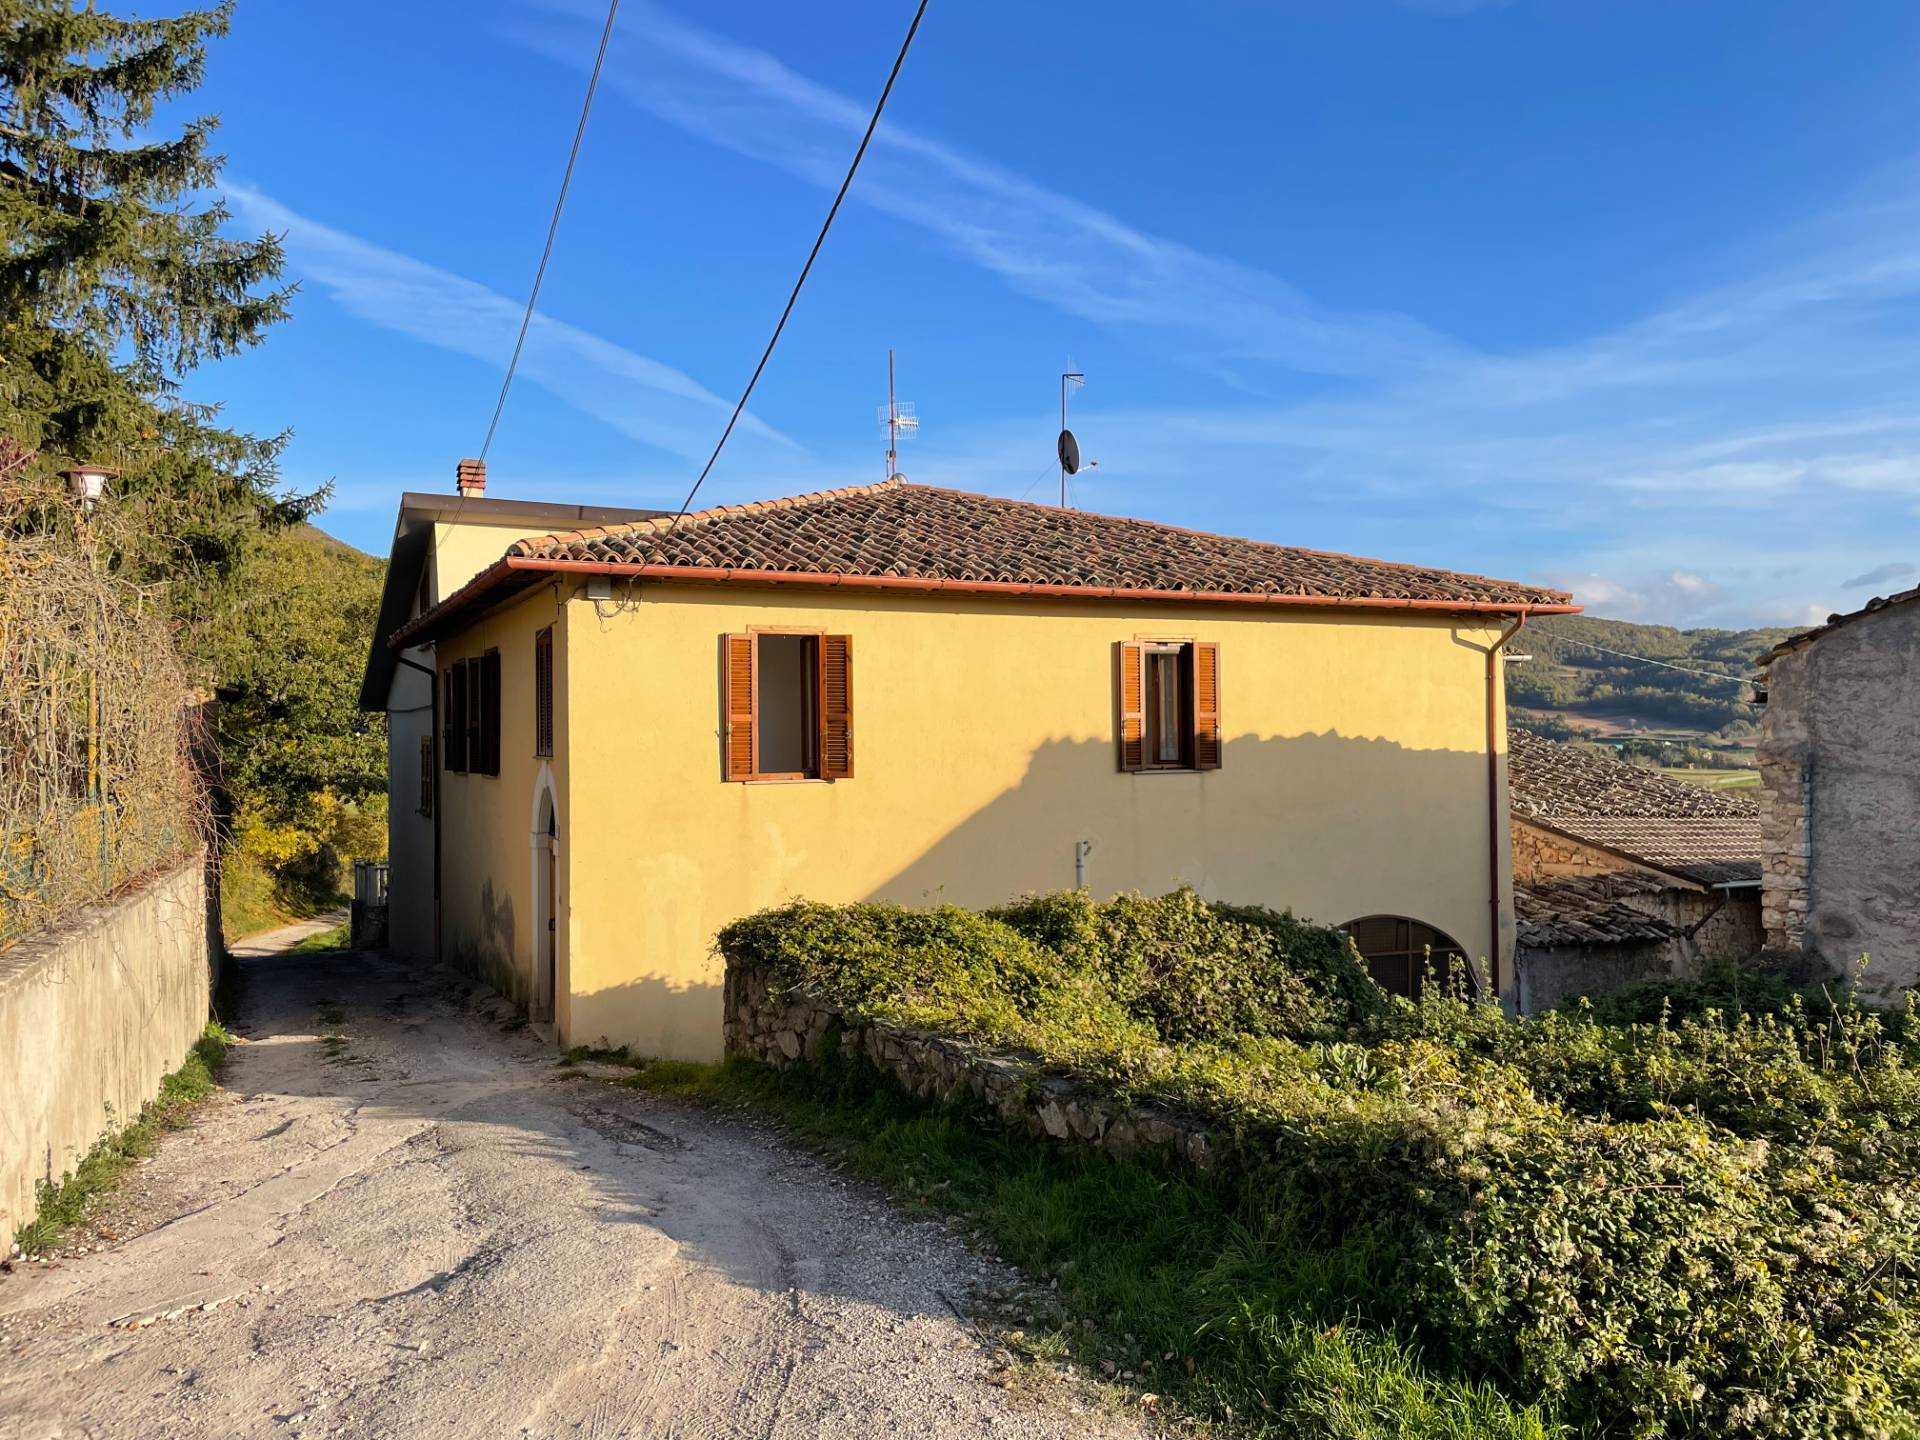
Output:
x=1623 y=297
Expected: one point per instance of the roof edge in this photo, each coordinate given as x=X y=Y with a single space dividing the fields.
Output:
x=433 y=622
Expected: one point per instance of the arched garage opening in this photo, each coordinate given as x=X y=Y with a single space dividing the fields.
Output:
x=1400 y=950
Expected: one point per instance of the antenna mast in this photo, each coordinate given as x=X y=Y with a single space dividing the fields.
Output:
x=1070 y=378
x=898 y=417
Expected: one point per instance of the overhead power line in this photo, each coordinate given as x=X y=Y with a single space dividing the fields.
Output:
x=553 y=226
x=805 y=270
x=1643 y=660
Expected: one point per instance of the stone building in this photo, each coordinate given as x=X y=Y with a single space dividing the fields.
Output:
x=1840 y=794
x=1623 y=874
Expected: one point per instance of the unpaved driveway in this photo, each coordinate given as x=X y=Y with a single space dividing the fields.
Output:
x=427 y=1232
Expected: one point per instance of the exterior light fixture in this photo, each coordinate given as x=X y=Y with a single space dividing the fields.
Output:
x=87 y=483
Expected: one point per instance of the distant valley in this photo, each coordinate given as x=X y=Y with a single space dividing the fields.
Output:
x=1578 y=686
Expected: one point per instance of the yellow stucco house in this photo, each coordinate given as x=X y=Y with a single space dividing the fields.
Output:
x=643 y=730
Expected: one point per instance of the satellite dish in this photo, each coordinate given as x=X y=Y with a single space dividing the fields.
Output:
x=1069 y=453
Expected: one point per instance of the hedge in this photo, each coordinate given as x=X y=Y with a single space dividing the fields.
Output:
x=1706 y=1227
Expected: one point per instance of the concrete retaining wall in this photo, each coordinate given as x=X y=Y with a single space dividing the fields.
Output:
x=92 y=1015
x=790 y=1029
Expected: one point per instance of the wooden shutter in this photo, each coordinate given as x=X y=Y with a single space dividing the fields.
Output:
x=1133 y=706
x=543 y=692
x=489 y=665
x=1206 y=706
x=456 y=726
x=836 y=707
x=426 y=775
x=736 y=703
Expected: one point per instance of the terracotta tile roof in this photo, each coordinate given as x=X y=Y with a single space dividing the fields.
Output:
x=1834 y=622
x=1709 y=836
x=1589 y=910
x=922 y=533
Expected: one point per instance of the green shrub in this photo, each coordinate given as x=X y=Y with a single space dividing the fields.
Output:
x=1700 y=1226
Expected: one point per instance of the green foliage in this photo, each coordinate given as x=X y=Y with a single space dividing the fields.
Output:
x=293 y=742
x=115 y=282
x=60 y=1207
x=1708 y=1225
x=1567 y=675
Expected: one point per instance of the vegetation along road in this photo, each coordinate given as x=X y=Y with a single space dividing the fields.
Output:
x=401 y=1218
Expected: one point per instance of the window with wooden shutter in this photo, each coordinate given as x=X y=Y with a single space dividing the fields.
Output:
x=488 y=666
x=543 y=692
x=786 y=706
x=426 y=775
x=836 y=707
x=736 y=699
x=1206 y=706
x=454 y=730
x=1168 y=704
x=476 y=753
x=1133 y=706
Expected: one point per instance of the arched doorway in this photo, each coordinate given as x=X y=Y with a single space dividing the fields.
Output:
x=545 y=842
x=1399 y=950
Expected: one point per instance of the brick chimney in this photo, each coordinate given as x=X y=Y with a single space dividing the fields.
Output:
x=470 y=476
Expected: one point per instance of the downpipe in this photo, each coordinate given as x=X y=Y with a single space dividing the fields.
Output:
x=1496 y=823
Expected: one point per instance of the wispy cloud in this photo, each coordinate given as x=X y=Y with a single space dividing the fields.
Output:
x=1741 y=435
x=652 y=403
x=1881 y=575
x=1048 y=246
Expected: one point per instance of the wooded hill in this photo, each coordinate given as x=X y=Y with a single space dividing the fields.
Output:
x=1574 y=689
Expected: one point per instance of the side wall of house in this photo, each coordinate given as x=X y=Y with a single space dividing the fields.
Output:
x=409 y=833
x=1354 y=779
x=1840 y=766
x=489 y=863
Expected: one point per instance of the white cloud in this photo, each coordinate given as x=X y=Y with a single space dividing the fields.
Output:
x=653 y=403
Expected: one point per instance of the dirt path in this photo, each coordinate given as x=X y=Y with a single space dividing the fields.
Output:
x=427 y=1232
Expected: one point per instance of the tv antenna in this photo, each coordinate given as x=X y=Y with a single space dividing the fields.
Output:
x=1068 y=447
x=899 y=419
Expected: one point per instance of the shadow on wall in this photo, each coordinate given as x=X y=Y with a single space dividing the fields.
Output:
x=488 y=955
x=651 y=1016
x=1330 y=826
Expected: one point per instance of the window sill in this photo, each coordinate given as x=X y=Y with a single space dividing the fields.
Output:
x=783 y=780
x=1169 y=770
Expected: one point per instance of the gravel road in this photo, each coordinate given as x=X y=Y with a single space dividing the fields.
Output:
x=419 y=1228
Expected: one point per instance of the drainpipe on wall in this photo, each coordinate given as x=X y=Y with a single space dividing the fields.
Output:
x=433 y=723
x=1496 y=823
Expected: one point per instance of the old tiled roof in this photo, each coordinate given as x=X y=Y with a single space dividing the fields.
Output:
x=1709 y=836
x=922 y=533
x=1834 y=622
x=1589 y=910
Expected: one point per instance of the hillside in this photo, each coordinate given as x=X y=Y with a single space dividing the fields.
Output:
x=1570 y=690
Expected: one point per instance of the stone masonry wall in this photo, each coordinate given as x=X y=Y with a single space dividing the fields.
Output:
x=1840 y=771
x=1782 y=754
x=791 y=1029
x=1540 y=855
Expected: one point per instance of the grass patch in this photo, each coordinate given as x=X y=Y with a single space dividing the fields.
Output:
x=61 y=1206
x=253 y=898
x=340 y=937
x=1206 y=1296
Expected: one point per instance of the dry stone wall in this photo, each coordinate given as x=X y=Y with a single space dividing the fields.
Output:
x=785 y=1030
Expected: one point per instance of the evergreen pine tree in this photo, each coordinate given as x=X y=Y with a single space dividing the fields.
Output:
x=116 y=280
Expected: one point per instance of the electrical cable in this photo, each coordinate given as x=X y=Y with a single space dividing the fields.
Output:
x=553 y=227
x=1643 y=660
x=805 y=270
